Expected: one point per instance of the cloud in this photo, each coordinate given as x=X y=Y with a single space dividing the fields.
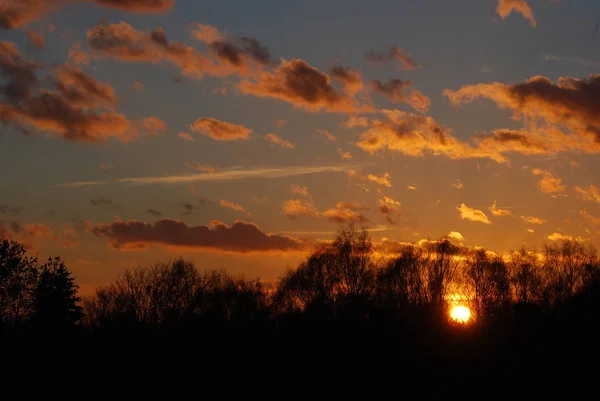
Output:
x=293 y=208
x=78 y=109
x=139 y=6
x=185 y=136
x=405 y=61
x=351 y=79
x=100 y=200
x=279 y=141
x=303 y=86
x=223 y=175
x=563 y=237
x=137 y=85
x=568 y=104
x=18 y=13
x=124 y=43
x=202 y=167
x=548 y=184
x=8 y=210
x=394 y=91
x=154 y=212
x=456 y=235
x=467 y=213
x=241 y=237
x=593 y=220
x=153 y=125
x=36 y=38
x=206 y=33
x=412 y=187
x=388 y=207
x=343 y=212
x=344 y=155
x=280 y=123
x=354 y=121
x=500 y=212
x=29 y=235
x=589 y=193
x=297 y=189
x=380 y=179
x=533 y=220
x=415 y=135
x=220 y=130
x=326 y=135
x=458 y=185
x=506 y=7
x=233 y=206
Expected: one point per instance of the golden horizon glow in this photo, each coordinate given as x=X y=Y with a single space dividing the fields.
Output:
x=460 y=314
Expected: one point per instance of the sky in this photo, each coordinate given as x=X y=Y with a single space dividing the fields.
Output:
x=241 y=135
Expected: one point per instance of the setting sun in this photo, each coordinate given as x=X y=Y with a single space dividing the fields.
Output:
x=460 y=314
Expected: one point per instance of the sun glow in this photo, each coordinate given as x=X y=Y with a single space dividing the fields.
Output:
x=460 y=314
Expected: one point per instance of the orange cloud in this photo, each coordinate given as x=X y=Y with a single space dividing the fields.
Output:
x=293 y=208
x=533 y=220
x=36 y=38
x=206 y=33
x=415 y=135
x=220 y=130
x=380 y=179
x=153 y=125
x=137 y=85
x=388 y=207
x=233 y=206
x=279 y=141
x=476 y=215
x=570 y=104
x=344 y=155
x=394 y=91
x=589 y=193
x=506 y=7
x=405 y=61
x=343 y=212
x=351 y=79
x=71 y=110
x=297 y=189
x=139 y=6
x=327 y=135
x=500 y=212
x=18 y=13
x=303 y=86
x=548 y=184
x=185 y=136
x=241 y=237
x=456 y=235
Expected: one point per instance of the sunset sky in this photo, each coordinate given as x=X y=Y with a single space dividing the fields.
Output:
x=239 y=134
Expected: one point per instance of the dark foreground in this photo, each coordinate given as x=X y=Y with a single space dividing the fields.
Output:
x=521 y=355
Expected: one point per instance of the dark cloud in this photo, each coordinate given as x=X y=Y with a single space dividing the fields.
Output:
x=100 y=200
x=241 y=237
x=350 y=78
x=139 y=6
x=255 y=50
x=303 y=86
x=394 y=90
x=570 y=102
x=18 y=13
x=154 y=212
x=405 y=61
x=68 y=111
x=8 y=210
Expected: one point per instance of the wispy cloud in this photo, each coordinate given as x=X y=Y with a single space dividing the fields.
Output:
x=223 y=175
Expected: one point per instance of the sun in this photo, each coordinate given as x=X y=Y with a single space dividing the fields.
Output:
x=460 y=314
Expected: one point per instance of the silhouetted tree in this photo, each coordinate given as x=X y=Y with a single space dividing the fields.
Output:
x=18 y=281
x=525 y=276
x=56 y=300
x=489 y=281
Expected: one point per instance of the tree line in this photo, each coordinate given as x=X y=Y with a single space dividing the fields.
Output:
x=349 y=278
